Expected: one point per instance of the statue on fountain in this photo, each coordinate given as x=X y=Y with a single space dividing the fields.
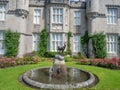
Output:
x=58 y=70
x=61 y=48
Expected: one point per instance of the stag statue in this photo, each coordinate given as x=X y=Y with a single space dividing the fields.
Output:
x=61 y=48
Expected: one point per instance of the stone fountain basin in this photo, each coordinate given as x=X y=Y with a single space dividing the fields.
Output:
x=75 y=78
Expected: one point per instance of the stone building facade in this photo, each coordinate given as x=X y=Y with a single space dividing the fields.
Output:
x=59 y=17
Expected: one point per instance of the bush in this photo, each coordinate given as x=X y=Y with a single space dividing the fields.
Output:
x=113 y=63
x=7 y=62
x=99 y=45
x=11 y=42
x=50 y=54
x=43 y=41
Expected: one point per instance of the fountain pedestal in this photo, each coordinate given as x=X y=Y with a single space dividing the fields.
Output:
x=59 y=67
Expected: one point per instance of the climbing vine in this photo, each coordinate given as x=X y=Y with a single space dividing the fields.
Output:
x=84 y=42
x=68 y=43
x=119 y=44
x=99 y=45
x=11 y=42
x=43 y=41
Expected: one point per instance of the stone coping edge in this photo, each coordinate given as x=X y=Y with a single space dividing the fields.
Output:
x=87 y=83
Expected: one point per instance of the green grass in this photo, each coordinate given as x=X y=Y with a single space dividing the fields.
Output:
x=109 y=79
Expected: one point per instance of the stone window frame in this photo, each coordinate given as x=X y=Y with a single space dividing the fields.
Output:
x=37 y=16
x=57 y=15
x=35 y=41
x=112 y=43
x=3 y=12
x=76 y=18
x=57 y=41
x=112 y=15
x=76 y=48
x=2 y=47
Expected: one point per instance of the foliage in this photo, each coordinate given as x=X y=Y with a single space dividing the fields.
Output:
x=81 y=55
x=8 y=62
x=11 y=42
x=99 y=45
x=68 y=43
x=50 y=54
x=69 y=59
x=119 y=44
x=43 y=41
x=85 y=41
x=113 y=63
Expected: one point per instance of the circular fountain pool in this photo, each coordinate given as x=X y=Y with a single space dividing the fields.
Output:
x=75 y=78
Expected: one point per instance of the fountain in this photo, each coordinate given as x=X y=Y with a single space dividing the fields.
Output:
x=58 y=70
x=58 y=77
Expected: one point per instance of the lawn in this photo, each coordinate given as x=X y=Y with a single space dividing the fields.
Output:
x=109 y=79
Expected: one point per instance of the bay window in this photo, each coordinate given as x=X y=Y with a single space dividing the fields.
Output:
x=57 y=15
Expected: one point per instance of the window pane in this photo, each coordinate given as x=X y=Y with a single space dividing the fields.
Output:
x=57 y=40
x=77 y=17
x=57 y=15
x=112 y=43
x=112 y=15
x=76 y=43
x=2 y=12
x=37 y=14
x=1 y=42
x=35 y=42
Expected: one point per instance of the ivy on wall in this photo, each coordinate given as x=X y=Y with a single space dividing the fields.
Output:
x=68 y=43
x=119 y=44
x=43 y=41
x=11 y=42
x=84 y=42
x=99 y=45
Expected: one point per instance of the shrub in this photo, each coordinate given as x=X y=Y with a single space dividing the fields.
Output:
x=113 y=63
x=50 y=54
x=20 y=61
x=43 y=41
x=99 y=45
x=11 y=42
x=7 y=62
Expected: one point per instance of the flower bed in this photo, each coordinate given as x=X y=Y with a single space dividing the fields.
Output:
x=113 y=63
x=7 y=62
